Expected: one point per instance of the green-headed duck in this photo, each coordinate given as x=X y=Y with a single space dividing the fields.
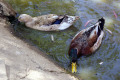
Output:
x=86 y=42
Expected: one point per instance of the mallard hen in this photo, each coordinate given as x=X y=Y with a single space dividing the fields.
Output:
x=50 y=22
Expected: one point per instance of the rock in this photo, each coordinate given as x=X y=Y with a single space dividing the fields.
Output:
x=6 y=9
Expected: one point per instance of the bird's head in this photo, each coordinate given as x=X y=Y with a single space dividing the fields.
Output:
x=24 y=18
x=73 y=57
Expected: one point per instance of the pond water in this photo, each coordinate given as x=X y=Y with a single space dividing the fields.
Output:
x=89 y=67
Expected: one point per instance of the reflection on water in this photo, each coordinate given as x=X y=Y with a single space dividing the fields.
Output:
x=89 y=67
x=99 y=1
x=87 y=73
x=116 y=4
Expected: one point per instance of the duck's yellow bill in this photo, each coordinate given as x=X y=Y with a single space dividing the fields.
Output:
x=74 y=67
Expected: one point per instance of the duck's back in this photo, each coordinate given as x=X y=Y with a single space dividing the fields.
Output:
x=45 y=19
x=83 y=43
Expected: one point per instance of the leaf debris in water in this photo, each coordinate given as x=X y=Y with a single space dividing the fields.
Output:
x=52 y=38
x=101 y=63
x=115 y=14
x=109 y=31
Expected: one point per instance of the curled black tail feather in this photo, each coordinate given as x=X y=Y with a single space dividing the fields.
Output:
x=102 y=22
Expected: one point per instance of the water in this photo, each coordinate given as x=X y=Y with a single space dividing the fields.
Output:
x=89 y=67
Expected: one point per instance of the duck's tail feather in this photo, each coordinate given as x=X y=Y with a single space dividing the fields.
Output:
x=101 y=23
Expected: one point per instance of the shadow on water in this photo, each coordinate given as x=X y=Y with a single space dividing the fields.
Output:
x=104 y=64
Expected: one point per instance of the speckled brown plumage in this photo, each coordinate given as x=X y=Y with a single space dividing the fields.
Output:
x=50 y=22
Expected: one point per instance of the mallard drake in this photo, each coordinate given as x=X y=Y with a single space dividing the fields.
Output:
x=50 y=22
x=86 y=42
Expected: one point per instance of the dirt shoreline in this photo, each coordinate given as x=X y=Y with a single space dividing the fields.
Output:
x=20 y=61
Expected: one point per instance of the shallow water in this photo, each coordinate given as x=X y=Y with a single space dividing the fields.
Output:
x=89 y=67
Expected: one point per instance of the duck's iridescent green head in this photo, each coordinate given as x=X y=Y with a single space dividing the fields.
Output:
x=73 y=55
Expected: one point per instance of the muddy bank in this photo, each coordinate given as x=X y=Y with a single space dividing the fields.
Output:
x=18 y=60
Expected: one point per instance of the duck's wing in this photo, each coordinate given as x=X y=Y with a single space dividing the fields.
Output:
x=95 y=35
x=46 y=19
x=58 y=20
x=87 y=34
x=97 y=43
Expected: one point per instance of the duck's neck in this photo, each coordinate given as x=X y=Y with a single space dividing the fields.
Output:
x=64 y=25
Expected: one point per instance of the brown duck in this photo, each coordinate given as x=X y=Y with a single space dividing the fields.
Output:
x=50 y=22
